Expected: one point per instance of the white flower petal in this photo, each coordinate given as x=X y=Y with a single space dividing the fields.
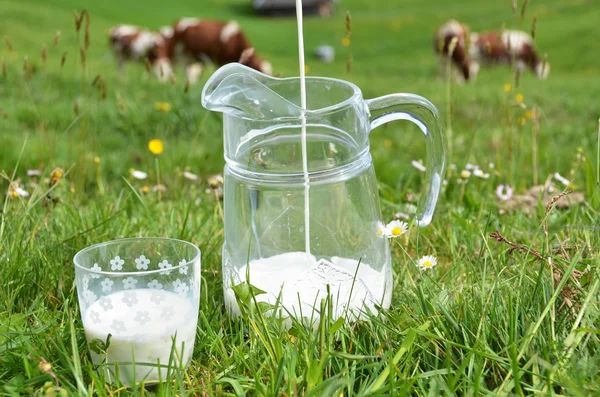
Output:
x=139 y=174
x=190 y=176
x=418 y=166
x=561 y=179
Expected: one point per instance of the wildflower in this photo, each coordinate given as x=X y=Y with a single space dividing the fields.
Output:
x=479 y=173
x=419 y=166
x=215 y=181
x=56 y=176
x=521 y=121
x=346 y=41
x=21 y=192
x=561 y=179
x=465 y=174
x=17 y=191
x=97 y=160
x=492 y=165
x=529 y=114
x=380 y=229
x=138 y=174
x=401 y=215
x=145 y=189
x=34 y=172
x=519 y=98
x=162 y=106
x=504 y=192
x=453 y=167
x=159 y=188
x=396 y=229
x=507 y=88
x=156 y=146
x=387 y=143
x=471 y=167
x=190 y=176
x=427 y=262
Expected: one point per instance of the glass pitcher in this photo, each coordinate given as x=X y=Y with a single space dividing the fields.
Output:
x=264 y=189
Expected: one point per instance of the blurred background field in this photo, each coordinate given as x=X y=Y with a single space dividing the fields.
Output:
x=500 y=322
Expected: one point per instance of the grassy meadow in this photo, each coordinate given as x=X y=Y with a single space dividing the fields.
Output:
x=490 y=319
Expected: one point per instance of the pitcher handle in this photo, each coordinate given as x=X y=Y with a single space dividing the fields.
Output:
x=421 y=112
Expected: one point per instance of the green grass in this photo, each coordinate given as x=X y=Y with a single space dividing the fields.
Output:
x=485 y=321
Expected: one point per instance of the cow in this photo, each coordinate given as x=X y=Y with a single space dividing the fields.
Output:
x=468 y=50
x=132 y=43
x=199 y=41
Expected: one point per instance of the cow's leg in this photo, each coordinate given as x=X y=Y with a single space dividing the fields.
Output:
x=193 y=71
x=163 y=69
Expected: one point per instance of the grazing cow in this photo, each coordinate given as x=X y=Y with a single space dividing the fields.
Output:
x=131 y=43
x=470 y=50
x=201 y=41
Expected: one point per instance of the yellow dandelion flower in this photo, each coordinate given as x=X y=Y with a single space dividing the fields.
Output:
x=156 y=146
x=522 y=121
x=56 y=176
x=97 y=160
x=346 y=41
x=162 y=106
x=519 y=98
x=507 y=88
x=529 y=114
x=145 y=189
x=387 y=143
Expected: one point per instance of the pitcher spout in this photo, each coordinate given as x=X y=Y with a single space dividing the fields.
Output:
x=240 y=91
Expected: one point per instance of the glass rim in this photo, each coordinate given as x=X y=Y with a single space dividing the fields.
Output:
x=131 y=239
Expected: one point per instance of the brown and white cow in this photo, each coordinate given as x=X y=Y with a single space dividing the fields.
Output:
x=470 y=50
x=199 y=41
x=131 y=43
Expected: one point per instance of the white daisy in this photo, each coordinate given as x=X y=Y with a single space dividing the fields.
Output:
x=479 y=173
x=504 y=192
x=380 y=229
x=21 y=192
x=139 y=174
x=465 y=174
x=34 y=172
x=395 y=229
x=427 y=262
x=471 y=167
x=190 y=176
x=561 y=179
x=418 y=166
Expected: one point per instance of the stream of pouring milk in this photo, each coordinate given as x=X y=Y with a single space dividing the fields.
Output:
x=303 y=137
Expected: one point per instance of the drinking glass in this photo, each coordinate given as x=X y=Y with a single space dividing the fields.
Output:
x=144 y=293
